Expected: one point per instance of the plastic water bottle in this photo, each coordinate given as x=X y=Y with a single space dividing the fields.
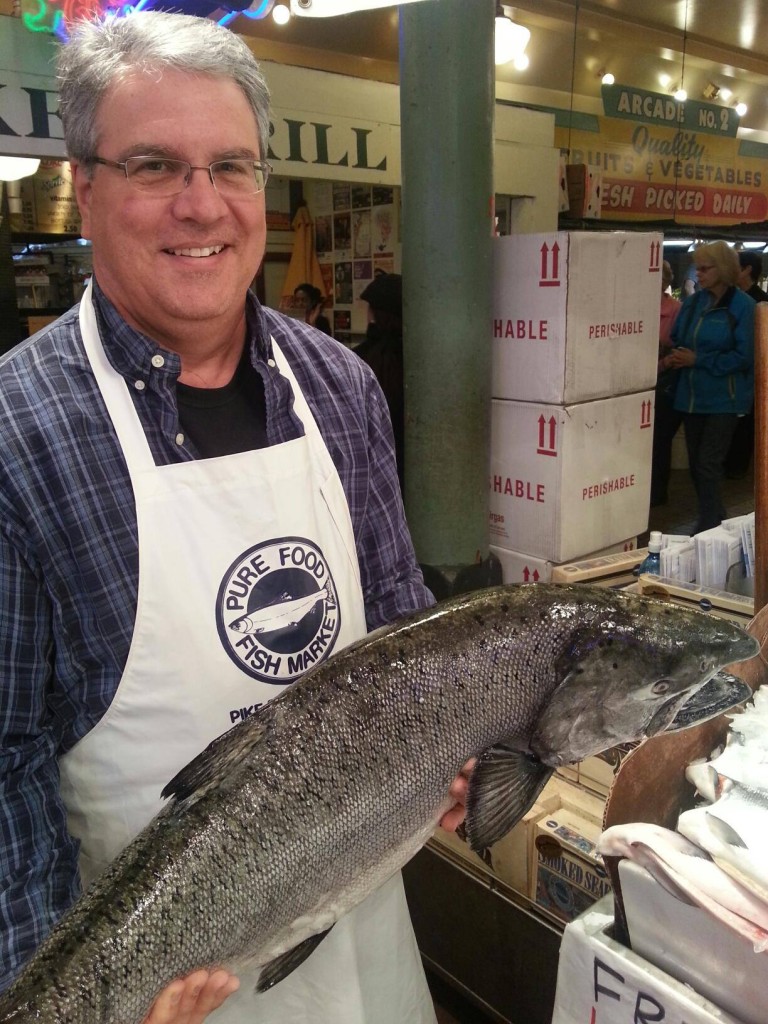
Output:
x=652 y=561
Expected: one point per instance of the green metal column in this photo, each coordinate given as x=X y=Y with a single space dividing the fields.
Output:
x=446 y=104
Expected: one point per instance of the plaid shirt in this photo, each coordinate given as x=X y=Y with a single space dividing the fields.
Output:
x=69 y=556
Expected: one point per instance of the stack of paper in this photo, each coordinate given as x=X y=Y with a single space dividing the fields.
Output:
x=717 y=551
x=744 y=526
x=678 y=560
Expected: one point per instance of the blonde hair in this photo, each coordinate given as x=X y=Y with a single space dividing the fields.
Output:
x=721 y=256
x=667 y=276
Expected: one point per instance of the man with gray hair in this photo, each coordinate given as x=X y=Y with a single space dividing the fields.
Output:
x=157 y=439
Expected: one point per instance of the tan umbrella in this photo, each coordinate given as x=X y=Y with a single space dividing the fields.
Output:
x=304 y=267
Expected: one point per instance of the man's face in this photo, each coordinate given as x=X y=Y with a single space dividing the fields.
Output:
x=171 y=263
x=745 y=279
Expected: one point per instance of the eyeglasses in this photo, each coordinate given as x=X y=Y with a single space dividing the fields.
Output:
x=161 y=176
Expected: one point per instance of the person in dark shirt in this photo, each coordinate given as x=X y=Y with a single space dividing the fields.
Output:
x=313 y=304
x=382 y=350
x=742 y=445
x=750 y=272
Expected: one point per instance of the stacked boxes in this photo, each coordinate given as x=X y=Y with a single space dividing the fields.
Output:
x=575 y=341
x=549 y=856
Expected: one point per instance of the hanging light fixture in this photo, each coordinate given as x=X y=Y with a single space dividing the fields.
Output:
x=511 y=39
x=14 y=167
x=331 y=8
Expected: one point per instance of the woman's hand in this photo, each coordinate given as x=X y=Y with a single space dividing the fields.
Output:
x=189 y=1000
x=451 y=820
x=680 y=357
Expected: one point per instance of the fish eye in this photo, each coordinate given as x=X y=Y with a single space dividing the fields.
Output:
x=660 y=687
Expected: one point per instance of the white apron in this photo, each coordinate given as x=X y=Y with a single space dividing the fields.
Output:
x=247 y=575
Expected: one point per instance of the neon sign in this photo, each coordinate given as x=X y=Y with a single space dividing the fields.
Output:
x=55 y=16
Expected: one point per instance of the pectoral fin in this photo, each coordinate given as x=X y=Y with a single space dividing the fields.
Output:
x=503 y=786
x=284 y=964
x=219 y=759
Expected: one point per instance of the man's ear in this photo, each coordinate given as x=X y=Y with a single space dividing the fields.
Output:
x=83 y=192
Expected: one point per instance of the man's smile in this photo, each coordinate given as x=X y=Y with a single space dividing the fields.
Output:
x=211 y=250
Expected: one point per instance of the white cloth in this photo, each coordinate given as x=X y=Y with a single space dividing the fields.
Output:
x=247 y=574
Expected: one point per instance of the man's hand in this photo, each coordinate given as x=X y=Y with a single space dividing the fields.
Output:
x=189 y=1000
x=451 y=820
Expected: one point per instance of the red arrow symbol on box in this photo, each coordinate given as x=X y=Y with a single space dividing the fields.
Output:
x=655 y=264
x=544 y=281
x=543 y=448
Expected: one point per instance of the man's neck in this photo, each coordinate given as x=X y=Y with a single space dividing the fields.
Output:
x=209 y=350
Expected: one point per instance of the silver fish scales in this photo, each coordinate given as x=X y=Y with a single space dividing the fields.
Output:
x=291 y=818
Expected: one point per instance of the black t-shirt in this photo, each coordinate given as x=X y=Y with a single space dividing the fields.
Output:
x=224 y=421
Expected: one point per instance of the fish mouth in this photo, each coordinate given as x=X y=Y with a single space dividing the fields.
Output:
x=719 y=694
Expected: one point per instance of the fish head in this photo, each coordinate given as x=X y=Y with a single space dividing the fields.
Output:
x=631 y=668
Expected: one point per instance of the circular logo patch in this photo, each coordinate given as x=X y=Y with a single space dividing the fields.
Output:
x=277 y=610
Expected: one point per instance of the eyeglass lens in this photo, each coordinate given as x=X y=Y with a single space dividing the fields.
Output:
x=166 y=177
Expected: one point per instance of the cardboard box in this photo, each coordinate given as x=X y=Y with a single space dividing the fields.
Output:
x=585 y=188
x=576 y=798
x=575 y=315
x=519 y=568
x=510 y=859
x=569 y=479
x=600 y=981
x=598 y=773
x=694 y=947
x=570 y=875
x=513 y=859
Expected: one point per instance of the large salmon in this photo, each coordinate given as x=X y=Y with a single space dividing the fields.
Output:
x=291 y=818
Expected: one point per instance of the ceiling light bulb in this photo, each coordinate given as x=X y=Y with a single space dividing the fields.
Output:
x=521 y=62
x=681 y=95
x=511 y=40
x=608 y=78
x=725 y=93
x=281 y=14
x=14 y=167
x=741 y=109
x=664 y=81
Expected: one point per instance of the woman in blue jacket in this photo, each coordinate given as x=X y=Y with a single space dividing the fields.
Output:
x=714 y=342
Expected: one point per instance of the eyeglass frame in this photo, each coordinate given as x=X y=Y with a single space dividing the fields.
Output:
x=122 y=165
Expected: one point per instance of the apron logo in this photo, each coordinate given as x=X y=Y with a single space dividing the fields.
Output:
x=277 y=610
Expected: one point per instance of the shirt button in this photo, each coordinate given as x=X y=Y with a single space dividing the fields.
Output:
x=271 y=362
x=139 y=385
x=179 y=439
x=158 y=361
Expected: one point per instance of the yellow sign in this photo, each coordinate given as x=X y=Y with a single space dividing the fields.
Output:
x=654 y=172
